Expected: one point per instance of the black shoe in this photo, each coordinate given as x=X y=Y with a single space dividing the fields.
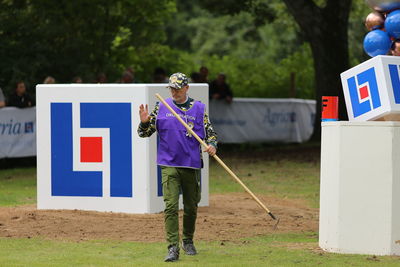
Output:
x=188 y=247
x=173 y=253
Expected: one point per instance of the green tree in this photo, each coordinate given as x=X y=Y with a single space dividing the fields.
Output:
x=325 y=27
x=257 y=52
x=68 y=38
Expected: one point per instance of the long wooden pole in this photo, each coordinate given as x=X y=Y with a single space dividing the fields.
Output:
x=216 y=157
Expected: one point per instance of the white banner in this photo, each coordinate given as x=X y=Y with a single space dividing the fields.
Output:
x=263 y=120
x=17 y=132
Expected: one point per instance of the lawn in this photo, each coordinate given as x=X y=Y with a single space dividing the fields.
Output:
x=17 y=186
x=284 y=172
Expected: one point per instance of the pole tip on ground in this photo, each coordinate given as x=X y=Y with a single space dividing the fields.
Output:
x=277 y=220
x=276 y=224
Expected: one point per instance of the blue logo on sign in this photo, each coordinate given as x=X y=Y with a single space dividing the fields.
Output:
x=363 y=90
x=394 y=77
x=67 y=182
x=29 y=127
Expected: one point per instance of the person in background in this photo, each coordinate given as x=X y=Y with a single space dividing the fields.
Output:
x=127 y=77
x=395 y=48
x=160 y=76
x=20 y=97
x=49 y=80
x=2 y=99
x=220 y=90
x=101 y=78
x=203 y=74
x=77 y=79
x=195 y=77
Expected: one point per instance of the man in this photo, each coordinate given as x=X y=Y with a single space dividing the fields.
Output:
x=179 y=156
x=203 y=74
x=20 y=97
x=395 y=48
x=219 y=89
x=2 y=99
x=159 y=75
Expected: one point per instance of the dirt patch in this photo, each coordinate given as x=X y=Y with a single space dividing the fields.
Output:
x=229 y=217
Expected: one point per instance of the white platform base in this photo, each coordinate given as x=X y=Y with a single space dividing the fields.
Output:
x=360 y=188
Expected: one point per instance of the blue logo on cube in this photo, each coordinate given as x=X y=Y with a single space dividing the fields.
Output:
x=67 y=182
x=364 y=94
x=394 y=77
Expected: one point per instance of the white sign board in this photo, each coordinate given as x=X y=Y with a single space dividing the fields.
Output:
x=89 y=155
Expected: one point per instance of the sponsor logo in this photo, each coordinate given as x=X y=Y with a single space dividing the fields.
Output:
x=182 y=116
x=29 y=127
x=65 y=181
x=394 y=77
x=274 y=118
x=16 y=128
x=363 y=91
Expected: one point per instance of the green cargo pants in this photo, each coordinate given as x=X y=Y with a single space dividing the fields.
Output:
x=175 y=179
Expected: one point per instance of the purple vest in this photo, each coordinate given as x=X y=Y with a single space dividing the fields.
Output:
x=176 y=147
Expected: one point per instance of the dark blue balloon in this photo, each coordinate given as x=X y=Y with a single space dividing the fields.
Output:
x=377 y=42
x=385 y=7
x=392 y=24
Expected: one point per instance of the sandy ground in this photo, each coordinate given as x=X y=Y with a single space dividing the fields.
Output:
x=228 y=218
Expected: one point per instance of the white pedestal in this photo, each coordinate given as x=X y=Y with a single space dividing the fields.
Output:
x=360 y=188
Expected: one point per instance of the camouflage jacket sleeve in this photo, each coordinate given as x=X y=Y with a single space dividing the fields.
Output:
x=147 y=129
x=211 y=135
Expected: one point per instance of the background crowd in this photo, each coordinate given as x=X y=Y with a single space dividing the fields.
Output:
x=219 y=89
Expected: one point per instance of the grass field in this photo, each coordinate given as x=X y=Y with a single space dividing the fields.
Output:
x=17 y=186
x=274 y=171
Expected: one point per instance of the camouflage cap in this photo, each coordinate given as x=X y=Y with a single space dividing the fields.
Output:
x=178 y=80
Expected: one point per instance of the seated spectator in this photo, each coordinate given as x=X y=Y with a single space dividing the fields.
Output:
x=77 y=79
x=219 y=89
x=160 y=76
x=127 y=77
x=2 y=99
x=101 y=78
x=49 y=80
x=195 y=77
x=395 y=48
x=20 y=97
x=203 y=74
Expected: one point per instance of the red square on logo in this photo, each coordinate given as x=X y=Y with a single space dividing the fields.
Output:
x=364 y=92
x=91 y=149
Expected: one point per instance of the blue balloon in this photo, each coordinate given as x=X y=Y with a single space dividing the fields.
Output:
x=377 y=42
x=392 y=24
x=383 y=5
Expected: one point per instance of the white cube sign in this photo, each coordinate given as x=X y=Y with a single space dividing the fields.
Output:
x=372 y=89
x=89 y=155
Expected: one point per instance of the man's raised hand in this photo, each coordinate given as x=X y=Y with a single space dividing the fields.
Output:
x=144 y=113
